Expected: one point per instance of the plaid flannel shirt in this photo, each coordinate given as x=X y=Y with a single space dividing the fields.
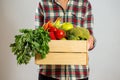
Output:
x=79 y=13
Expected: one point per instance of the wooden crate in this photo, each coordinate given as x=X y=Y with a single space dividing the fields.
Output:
x=65 y=52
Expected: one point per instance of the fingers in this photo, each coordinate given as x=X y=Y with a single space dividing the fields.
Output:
x=90 y=42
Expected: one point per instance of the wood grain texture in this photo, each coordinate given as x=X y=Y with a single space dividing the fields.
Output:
x=68 y=46
x=63 y=59
x=65 y=52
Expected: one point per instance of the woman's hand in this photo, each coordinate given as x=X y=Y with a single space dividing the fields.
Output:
x=91 y=43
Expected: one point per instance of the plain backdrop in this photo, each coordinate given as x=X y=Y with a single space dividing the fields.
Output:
x=103 y=60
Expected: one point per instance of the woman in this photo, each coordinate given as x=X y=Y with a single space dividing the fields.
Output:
x=79 y=13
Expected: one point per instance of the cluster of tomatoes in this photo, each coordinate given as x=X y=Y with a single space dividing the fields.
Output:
x=54 y=33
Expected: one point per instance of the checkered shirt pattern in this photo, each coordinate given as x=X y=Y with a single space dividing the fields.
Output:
x=79 y=13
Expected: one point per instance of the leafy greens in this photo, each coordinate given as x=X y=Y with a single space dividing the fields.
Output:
x=29 y=43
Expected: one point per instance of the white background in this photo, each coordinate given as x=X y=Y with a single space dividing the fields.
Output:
x=103 y=60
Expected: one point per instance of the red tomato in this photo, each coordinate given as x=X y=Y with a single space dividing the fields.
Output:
x=59 y=34
x=52 y=36
x=52 y=29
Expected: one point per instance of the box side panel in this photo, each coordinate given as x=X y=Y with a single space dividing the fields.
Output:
x=68 y=46
x=63 y=59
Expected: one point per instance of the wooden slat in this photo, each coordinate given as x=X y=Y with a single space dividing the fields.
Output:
x=65 y=52
x=68 y=46
x=63 y=59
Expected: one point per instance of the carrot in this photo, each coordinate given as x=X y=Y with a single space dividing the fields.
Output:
x=45 y=26
x=50 y=24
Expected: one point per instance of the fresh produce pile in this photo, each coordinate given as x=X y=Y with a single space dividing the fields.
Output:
x=65 y=31
x=31 y=42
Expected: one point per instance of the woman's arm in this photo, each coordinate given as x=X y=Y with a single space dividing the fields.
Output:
x=39 y=18
x=89 y=25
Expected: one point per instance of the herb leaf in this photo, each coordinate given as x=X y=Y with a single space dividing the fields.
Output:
x=29 y=43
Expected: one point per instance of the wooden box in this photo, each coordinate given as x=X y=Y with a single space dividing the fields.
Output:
x=65 y=52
